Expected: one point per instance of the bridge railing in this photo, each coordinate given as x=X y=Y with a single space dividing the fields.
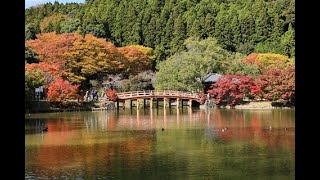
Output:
x=149 y=93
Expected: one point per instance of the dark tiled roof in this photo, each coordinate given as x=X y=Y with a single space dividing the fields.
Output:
x=211 y=78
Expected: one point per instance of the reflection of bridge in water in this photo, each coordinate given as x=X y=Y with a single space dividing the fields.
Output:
x=143 y=99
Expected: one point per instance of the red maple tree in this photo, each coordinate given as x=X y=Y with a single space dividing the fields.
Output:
x=277 y=84
x=112 y=95
x=60 y=90
x=231 y=89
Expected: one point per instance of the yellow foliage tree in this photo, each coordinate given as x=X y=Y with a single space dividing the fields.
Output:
x=138 y=58
x=52 y=23
x=267 y=61
x=92 y=58
x=51 y=47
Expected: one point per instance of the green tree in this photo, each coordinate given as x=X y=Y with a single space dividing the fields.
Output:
x=262 y=26
x=131 y=25
x=185 y=70
x=268 y=47
x=33 y=79
x=288 y=13
x=239 y=67
x=247 y=30
x=71 y=25
x=277 y=28
x=30 y=31
x=209 y=24
x=30 y=56
x=95 y=29
x=288 y=42
x=52 y=23
x=117 y=31
x=239 y=26
x=195 y=28
x=179 y=33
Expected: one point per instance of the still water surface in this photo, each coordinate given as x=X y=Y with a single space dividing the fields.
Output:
x=130 y=144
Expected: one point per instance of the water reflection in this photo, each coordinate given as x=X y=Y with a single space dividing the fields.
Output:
x=269 y=127
x=129 y=144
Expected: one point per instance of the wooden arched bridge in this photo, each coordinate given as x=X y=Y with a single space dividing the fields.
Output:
x=142 y=99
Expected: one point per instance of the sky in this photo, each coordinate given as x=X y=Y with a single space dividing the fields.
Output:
x=29 y=3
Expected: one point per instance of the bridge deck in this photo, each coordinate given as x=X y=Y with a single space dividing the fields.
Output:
x=158 y=94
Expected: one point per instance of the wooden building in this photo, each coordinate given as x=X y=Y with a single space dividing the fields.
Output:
x=210 y=79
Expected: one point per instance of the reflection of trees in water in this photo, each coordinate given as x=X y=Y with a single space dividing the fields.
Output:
x=271 y=128
x=35 y=125
x=241 y=125
x=75 y=142
x=123 y=144
x=101 y=158
x=60 y=132
x=246 y=145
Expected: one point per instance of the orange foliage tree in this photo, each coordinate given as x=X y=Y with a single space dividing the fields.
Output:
x=81 y=59
x=49 y=71
x=51 y=47
x=138 y=58
x=92 y=58
x=61 y=90
x=267 y=61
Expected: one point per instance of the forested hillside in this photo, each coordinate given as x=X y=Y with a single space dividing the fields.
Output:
x=165 y=45
x=239 y=26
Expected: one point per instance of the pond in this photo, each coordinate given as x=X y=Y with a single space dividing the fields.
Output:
x=161 y=144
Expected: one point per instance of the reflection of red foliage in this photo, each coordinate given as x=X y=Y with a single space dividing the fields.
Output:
x=61 y=90
x=231 y=89
x=112 y=95
x=255 y=125
x=252 y=127
x=111 y=122
x=56 y=150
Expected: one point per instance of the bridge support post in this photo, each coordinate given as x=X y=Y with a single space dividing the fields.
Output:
x=169 y=102
x=128 y=103
x=140 y=103
x=190 y=103
x=165 y=101
x=157 y=103
x=117 y=105
x=151 y=103
x=178 y=102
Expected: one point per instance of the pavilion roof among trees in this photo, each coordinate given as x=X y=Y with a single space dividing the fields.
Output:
x=211 y=78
